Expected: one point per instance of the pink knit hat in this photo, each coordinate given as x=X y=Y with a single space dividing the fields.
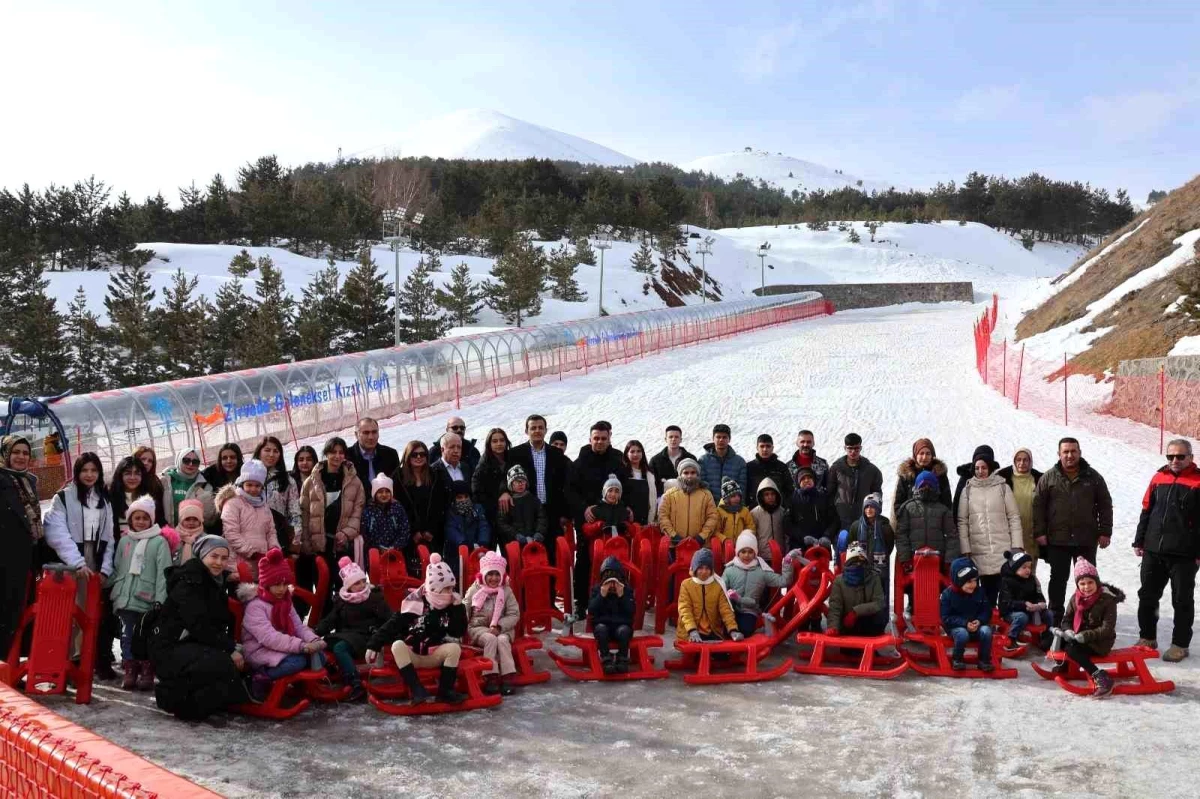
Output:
x=191 y=509
x=274 y=569
x=492 y=562
x=350 y=572
x=1084 y=568
x=439 y=574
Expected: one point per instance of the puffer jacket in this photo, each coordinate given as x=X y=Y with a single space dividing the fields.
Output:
x=480 y=619
x=355 y=622
x=989 y=523
x=423 y=631
x=770 y=525
x=140 y=592
x=906 y=480
x=1170 y=520
x=312 y=508
x=1099 y=630
x=704 y=608
x=752 y=584
x=865 y=600
x=688 y=514
x=849 y=485
x=196 y=610
x=250 y=531
x=714 y=469
x=926 y=524
x=263 y=646
x=612 y=610
x=730 y=524
x=1015 y=591
x=526 y=517
x=284 y=504
x=1073 y=513
x=809 y=515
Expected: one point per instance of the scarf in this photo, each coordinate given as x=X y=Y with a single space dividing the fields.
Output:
x=876 y=537
x=757 y=563
x=484 y=593
x=711 y=579
x=731 y=508
x=255 y=502
x=281 y=610
x=354 y=598
x=416 y=601
x=854 y=575
x=465 y=508
x=1082 y=606
x=23 y=481
x=137 y=560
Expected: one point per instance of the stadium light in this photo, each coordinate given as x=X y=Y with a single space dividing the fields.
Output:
x=603 y=238
x=763 y=249
x=704 y=249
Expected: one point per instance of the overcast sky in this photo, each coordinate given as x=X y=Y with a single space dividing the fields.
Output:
x=150 y=96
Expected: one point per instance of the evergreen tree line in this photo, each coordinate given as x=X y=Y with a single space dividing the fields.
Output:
x=478 y=207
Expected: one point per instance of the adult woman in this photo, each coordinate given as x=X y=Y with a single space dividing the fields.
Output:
x=489 y=483
x=182 y=482
x=638 y=490
x=424 y=495
x=282 y=493
x=303 y=464
x=128 y=483
x=195 y=656
x=246 y=518
x=988 y=523
x=1022 y=478
x=924 y=459
x=154 y=485
x=20 y=532
x=331 y=506
x=227 y=468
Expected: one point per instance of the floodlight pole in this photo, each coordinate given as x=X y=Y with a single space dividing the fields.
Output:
x=603 y=242
x=704 y=250
x=762 y=268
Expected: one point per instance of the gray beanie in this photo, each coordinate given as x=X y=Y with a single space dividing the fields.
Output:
x=686 y=463
x=611 y=482
x=207 y=543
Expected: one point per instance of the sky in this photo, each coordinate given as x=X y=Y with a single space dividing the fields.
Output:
x=150 y=96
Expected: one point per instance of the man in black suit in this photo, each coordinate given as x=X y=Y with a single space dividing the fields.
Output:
x=453 y=465
x=369 y=456
x=591 y=469
x=549 y=471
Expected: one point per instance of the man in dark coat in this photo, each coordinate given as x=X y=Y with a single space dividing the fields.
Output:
x=452 y=466
x=549 y=473
x=852 y=478
x=806 y=457
x=369 y=457
x=766 y=464
x=662 y=465
x=16 y=558
x=470 y=454
x=591 y=469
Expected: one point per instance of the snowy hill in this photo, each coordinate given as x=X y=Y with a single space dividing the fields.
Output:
x=780 y=171
x=482 y=134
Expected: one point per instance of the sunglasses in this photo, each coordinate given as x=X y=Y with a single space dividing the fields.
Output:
x=462 y=428
x=191 y=461
x=416 y=455
x=1178 y=457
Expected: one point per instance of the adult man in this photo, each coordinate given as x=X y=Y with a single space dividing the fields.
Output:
x=1072 y=515
x=1168 y=542
x=764 y=465
x=451 y=465
x=470 y=454
x=558 y=440
x=720 y=461
x=549 y=473
x=806 y=457
x=851 y=479
x=369 y=456
x=689 y=512
x=184 y=481
x=663 y=464
x=591 y=469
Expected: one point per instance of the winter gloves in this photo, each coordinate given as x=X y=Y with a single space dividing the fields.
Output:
x=736 y=636
x=694 y=636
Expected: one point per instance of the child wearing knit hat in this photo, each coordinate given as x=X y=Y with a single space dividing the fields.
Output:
x=276 y=643
x=1089 y=625
x=359 y=608
x=246 y=520
x=385 y=523
x=967 y=615
x=139 y=581
x=1021 y=600
x=492 y=615
x=732 y=514
x=705 y=612
x=189 y=526
x=857 y=601
x=466 y=523
x=418 y=633
x=611 y=512
x=748 y=578
x=525 y=519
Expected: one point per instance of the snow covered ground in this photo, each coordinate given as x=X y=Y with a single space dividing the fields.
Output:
x=782 y=172
x=799 y=735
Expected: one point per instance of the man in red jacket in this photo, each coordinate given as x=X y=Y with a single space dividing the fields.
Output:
x=1168 y=542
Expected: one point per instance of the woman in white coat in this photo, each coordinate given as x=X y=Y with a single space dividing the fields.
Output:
x=989 y=524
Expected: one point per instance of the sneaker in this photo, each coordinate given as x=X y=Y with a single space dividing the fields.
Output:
x=357 y=692
x=958 y=664
x=1147 y=643
x=1104 y=684
x=622 y=665
x=491 y=684
x=987 y=667
x=506 y=687
x=608 y=664
x=1175 y=654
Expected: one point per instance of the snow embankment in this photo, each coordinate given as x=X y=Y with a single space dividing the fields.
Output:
x=782 y=172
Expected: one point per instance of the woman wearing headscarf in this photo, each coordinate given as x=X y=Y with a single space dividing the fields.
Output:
x=20 y=533
x=1022 y=478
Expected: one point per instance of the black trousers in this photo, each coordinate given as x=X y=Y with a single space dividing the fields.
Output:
x=1081 y=654
x=603 y=635
x=1157 y=572
x=1062 y=561
x=991 y=587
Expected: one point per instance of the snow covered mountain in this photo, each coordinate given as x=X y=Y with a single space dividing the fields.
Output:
x=781 y=171
x=477 y=133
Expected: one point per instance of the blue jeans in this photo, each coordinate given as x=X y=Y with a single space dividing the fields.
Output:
x=1020 y=620
x=292 y=664
x=345 y=660
x=129 y=622
x=983 y=635
x=747 y=623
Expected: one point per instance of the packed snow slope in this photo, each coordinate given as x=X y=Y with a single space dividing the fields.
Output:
x=782 y=172
x=799 y=735
x=902 y=253
x=482 y=134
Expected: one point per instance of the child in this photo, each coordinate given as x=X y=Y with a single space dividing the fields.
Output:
x=874 y=532
x=966 y=614
x=770 y=519
x=358 y=611
x=810 y=516
x=747 y=580
x=465 y=524
x=732 y=516
x=705 y=612
x=275 y=642
x=611 y=610
x=925 y=522
x=190 y=527
x=1021 y=598
x=417 y=634
x=525 y=520
x=492 y=614
x=139 y=581
x=856 y=599
x=385 y=524
x=611 y=512
x=1089 y=625
x=246 y=520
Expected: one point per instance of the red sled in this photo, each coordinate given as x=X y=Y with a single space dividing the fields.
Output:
x=535 y=592
x=55 y=614
x=1017 y=648
x=745 y=654
x=389 y=571
x=1130 y=665
x=470 y=682
x=826 y=656
x=468 y=565
x=670 y=577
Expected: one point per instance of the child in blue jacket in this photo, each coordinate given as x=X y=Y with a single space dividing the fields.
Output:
x=465 y=524
x=966 y=615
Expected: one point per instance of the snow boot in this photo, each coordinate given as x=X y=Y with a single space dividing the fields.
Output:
x=608 y=663
x=506 y=686
x=416 y=692
x=987 y=667
x=446 y=692
x=491 y=684
x=357 y=692
x=260 y=686
x=1104 y=684
x=1175 y=654
x=1148 y=643
x=104 y=670
x=622 y=665
x=958 y=664
x=1045 y=641
x=129 y=671
x=145 y=679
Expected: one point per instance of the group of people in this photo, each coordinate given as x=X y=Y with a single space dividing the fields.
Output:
x=172 y=546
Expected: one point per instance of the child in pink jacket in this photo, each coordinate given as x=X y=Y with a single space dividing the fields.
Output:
x=246 y=520
x=275 y=642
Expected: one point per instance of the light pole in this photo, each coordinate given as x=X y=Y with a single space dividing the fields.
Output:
x=703 y=250
x=397 y=217
x=763 y=249
x=603 y=242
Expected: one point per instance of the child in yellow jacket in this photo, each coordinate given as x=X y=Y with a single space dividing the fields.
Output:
x=705 y=613
x=733 y=517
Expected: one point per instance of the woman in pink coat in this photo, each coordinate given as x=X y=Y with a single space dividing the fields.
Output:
x=246 y=518
x=275 y=643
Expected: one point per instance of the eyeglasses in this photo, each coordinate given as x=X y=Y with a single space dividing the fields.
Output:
x=1178 y=457
x=191 y=461
x=416 y=455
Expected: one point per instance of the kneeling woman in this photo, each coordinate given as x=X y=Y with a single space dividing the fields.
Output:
x=195 y=657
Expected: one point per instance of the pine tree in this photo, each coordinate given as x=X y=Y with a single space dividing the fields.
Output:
x=129 y=303
x=643 y=259
x=319 y=325
x=179 y=328
x=584 y=253
x=269 y=327
x=220 y=222
x=420 y=317
x=461 y=298
x=435 y=262
x=87 y=356
x=854 y=238
x=519 y=279
x=227 y=323
x=365 y=312
x=33 y=355
x=189 y=220
x=562 y=264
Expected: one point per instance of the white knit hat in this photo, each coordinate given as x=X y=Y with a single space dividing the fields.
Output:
x=380 y=481
x=747 y=540
x=144 y=504
x=253 y=471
